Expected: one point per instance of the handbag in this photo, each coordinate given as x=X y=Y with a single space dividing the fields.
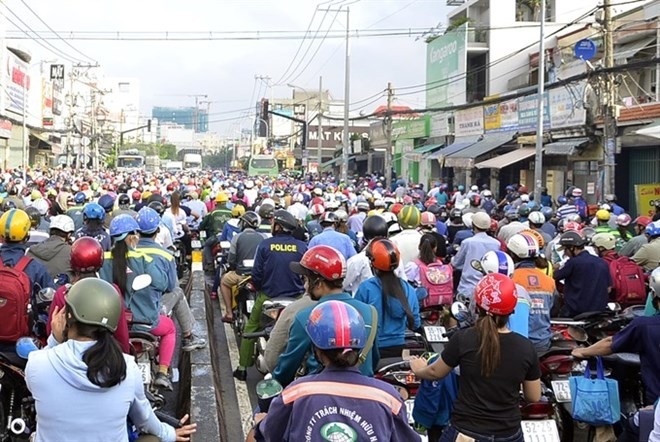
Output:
x=595 y=401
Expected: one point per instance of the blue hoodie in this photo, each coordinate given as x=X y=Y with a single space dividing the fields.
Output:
x=71 y=408
x=393 y=323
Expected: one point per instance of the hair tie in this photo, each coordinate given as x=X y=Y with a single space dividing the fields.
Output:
x=346 y=350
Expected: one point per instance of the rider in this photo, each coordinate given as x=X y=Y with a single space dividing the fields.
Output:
x=634 y=244
x=331 y=237
x=90 y=371
x=337 y=334
x=55 y=252
x=93 y=216
x=358 y=267
x=271 y=277
x=36 y=236
x=648 y=256
x=76 y=211
x=408 y=240
x=324 y=268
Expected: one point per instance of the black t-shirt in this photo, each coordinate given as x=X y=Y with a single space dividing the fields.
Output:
x=490 y=405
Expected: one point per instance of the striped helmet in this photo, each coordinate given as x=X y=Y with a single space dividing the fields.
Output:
x=336 y=325
x=409 y=217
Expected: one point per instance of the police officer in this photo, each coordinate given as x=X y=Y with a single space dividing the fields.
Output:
x=272 y=278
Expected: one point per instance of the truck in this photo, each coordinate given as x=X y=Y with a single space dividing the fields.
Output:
x=152 y=163
x=129 y=161
x=192 y=161
x=174 y=166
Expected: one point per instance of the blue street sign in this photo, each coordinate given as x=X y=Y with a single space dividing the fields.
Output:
x=585 y=49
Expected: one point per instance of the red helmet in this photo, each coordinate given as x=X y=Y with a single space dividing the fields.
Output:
x=383 y=254
x=428 y=219
x=324 y=261
x=572 y=226
x=496 y=294
x=86 y=255
x=494 y=225
x=318 y=200
x=429 y=202
x=396 y=208
x=136 y=195
x=317 y=209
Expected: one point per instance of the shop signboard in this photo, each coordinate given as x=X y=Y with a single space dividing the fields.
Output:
x=410 y=129
x=46 y=102
x=469 y=121
x=439 y=125
x=5 y=129
x=501 y=117
x=528 y=112
x=645 y=194
x=446 y=60
x=16 y=83
x=567 y=103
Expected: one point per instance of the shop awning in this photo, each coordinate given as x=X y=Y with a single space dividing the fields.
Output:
x=565 y=147
x=40 y=140
x=629 y=50
x=459 y=144
x=465 y=158
x=507 y=159
x=428 y=148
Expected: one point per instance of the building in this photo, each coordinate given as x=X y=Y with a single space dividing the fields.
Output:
x=189 y=117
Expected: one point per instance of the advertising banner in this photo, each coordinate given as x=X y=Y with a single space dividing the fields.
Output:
x=16 y=81
x=410 y=129
x=46 y=103
x=645 y=194
x=439 y=125
x=446 y=59
x=501 y=117
x=528 y=111
x=5 y=129
x=469 y=121
x=566 y=106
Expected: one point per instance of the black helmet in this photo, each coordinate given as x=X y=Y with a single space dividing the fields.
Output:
x=374 y=226
x=455 y=213
x=266 y=211
x=157 y=206
x=571 y=239
x=434 y=209
x=35 y=216
x=285 y=220
x=122 y=188
x=123 y=200
x=7 y=205
x=249 y=219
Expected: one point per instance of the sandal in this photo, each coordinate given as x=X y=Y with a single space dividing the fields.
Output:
x=227 y=319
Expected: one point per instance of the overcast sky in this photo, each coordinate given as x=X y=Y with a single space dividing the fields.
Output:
x=225 y=70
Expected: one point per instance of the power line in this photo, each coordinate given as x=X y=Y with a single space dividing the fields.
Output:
x=302 y=42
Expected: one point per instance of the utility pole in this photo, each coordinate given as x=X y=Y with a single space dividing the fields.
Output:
x=319 y=152
x=388 y=131
x=347 y=99
x=610 y=129
x=538 y=161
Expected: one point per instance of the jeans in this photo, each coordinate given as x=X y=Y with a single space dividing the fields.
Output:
x=451 y=433
x=175 y=302
x=246 y=355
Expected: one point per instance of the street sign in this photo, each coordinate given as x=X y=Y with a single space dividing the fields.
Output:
x=585 y=49
x=57 y=72
x=299 y=110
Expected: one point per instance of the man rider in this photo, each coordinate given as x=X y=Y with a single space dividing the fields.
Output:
x=331 y=237
x=213 y=224
x=75 y=212
x=272 y=278
x=55 y=252
x=93 y=216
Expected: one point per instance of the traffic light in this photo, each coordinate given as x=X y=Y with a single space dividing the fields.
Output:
x=148 y=125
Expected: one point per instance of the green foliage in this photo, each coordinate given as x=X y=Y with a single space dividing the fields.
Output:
x=164 y=151
x=219 y=160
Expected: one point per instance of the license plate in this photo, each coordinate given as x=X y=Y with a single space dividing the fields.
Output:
x=196 y=244
x=435 y=333
x=249 y=305
x=145 y=370
x=562 y=390
x=540 y=431
x=410 y=406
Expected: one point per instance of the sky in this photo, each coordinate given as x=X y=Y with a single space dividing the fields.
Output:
x=225 y=70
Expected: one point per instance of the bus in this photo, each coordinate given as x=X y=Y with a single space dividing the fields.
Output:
x=260 y=165
x=129 y=161
x=192 y=161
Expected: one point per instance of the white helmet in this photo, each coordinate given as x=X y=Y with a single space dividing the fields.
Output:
x=577 y=192
x=394 y=229
x=389 y=217
x=523 y=246
x=604 y=240
x=467 y=219
x=63 y=223
x=332 y=205
x=342 y=215
x=488 y=194
x=249 y=184
x=536 y=218
x=41 y=205
x=379 y=203
x=654 y=282
x=474 y=188
x=524 y=198
x=497 y=262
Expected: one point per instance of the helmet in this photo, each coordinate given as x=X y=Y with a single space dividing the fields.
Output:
x=266 y=211
x=653 y=229
x=487 y=194
x=35 y=195
x=324 y=261
x=547 y=212
x=93 y=211
x=329 y=218
x=428 y=219
x=409 y=217
x=524 y=210
x=14 y=225
x=561 y=200
x=461 y=188
x=363 y=206
x=285 y=220
x=523 y=189
x=80 y=198
x=511 y=214
x=34 y=215
x=298 y=198
x=654 y=281
x=41 y=205
x=533 y=206
x=221 y=197
x=396 y=208
x=148 y=220
x=523 y=246
x=642 y=221
x=496 y=294
x=497 y=262
x=379 y=203
x=455 y=213
x=603 y=215
x=606 y=206
x=63 y=223
x=26 y=345
x=475 y=200
x=249 y=219
x=157 y=206
x=623 y=220
x=383 y=254
x=317 y=210
x=237 y=211
x=572 y=226
x=122 y=225
x=342 y=216
x=123 y=200
x=571 y=238
x=574 y=217
x=537 y=236
x=536 y=218
x=86 y=255
x=336 y=325
x=577 y=192
x=94 y=301
x=107 y=201
x=374 y=226
x=604 y=240
x=481 y=221
x=610 y=197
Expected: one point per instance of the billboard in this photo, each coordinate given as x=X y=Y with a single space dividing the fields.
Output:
x=446 y=59
x=501 y=117
x=528 y=111
x=16 y=83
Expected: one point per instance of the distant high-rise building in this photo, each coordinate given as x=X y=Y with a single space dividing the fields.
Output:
x=189 y=117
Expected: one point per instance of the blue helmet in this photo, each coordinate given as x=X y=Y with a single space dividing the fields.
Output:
x=148 y=220
x=93 y=211
x=80 y=198
x=334 y=325
x=107 y=201
x=547 y=212
x=653 y=229
x=122 y=225
x=26 y=345
x=534 y=206
x=561 y=200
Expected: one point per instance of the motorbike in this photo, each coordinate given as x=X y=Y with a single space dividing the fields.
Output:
x=243 y=296
x=17 y=413
x=180 y=257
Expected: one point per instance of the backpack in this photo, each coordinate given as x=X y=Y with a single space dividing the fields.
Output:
x=15 y=295
x=627 y=281
x=437 y=279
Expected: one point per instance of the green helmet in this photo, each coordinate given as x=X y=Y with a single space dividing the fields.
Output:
x=94 y=301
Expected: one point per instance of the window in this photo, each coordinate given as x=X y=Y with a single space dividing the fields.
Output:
x=124 y=87
x=263 y=163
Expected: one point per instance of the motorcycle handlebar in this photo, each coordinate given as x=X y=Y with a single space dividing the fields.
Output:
x=256 y=335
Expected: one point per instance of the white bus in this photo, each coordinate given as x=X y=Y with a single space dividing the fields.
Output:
x=129 y=161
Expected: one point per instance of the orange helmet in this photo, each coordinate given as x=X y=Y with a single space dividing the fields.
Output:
x=383 y=254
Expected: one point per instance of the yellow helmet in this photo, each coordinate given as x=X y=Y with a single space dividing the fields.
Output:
x=15 y=225
x=603 y=215
x=237 y=210
x=221 y=197
x=35 y=195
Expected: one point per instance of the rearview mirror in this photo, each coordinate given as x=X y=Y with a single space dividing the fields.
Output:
x=476 y=264
x=614 y=307
x=459 y=311
x=225 y=244
x=141 y=282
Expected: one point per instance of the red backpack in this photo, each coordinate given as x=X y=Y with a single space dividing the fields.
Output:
x=438 y=279
x=15 y=294
x=627 y=281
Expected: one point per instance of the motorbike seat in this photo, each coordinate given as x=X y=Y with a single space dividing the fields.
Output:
x=593 y=315
x=555 y=349
x=384 y=362
x=12 y=358
x=624 y=358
